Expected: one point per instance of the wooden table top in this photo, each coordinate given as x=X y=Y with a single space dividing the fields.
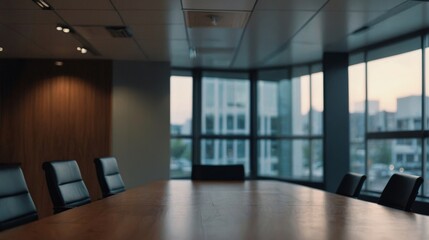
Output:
x=226 y=210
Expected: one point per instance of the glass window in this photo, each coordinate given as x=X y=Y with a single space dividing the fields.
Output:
x=317 y=103
x=383 y=161
x=180 y=157
x=209 y=123
x=180 y=105
x=241 y=122
x=317 y=160
x=237 y=92
x=229 y=152
x=288 y=159
x=357 y=117
x=301 y=105
x=395 y=92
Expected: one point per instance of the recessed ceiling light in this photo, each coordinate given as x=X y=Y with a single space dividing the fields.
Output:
x=59 y=63
x=82 y=50
x=1 y=49
x=43 y=4
x=63 y=28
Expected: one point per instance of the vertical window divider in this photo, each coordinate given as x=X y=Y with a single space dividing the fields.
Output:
x=310 y=127
x=366 y=118
x=423 y=142
x=253 y=124
x=196 y=116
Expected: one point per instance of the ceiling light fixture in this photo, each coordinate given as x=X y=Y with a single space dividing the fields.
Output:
x=43 y=4
x=59 y=63
x=214 y=19
x=82 y=50
x=63 y=29
x=1 y=49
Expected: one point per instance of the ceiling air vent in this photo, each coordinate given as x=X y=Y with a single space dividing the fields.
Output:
x=119 y=31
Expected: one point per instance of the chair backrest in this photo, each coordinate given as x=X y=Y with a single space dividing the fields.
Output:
x=65 y=185
x=351 y=184
x=16 y=205
x=218 y=172
x=108 y=176
x=401 y=191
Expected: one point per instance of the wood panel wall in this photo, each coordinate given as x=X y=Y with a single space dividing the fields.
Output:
x=50 y=112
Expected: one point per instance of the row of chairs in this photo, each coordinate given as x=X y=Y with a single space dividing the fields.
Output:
x=65 y=184
x=400 y=191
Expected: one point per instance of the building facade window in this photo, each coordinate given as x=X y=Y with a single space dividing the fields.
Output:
x=388 y=112
x=271 y=121
x=181 y=125
x=289 y=147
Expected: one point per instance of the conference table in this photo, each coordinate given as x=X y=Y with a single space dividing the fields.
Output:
x=181 y=209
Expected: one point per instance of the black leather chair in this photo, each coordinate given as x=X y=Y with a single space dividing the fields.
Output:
x=65 y=185
x=351 y=184
x=218 y=172
x=108 y=176
x=401 y=191
x=16 y=205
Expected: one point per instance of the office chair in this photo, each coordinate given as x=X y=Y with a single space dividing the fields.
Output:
x=108 y=175
x=16 y=205
x=65 y=185
x=351 y=184
x=401 y=191
x=218 y=172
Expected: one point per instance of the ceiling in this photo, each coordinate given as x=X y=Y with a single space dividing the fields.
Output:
x=227 y=34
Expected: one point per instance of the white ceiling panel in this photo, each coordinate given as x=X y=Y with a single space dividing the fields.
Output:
x=177 y=31
x=91 y=17
x=18 y=4
x=241 y=5
x=147 y=4
x=81 y=4
x=118 y=48
x=361 y=5
x=266 y=32
x=299 y=5
x=155 y=17
x=28 y=17
x=161 y=50
x=214 y=37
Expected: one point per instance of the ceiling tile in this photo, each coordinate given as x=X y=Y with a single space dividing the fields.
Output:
x=28 y=17
x=214 y=37
x=81 y=4
x=18 y=4
x=159 y=31
x=16 y=45
x=361 y=5
x=241 y=5
x=117 y=48
x=147 y=4
x=91 y=17
x=55 y=43
x=259 y=40
x=417 y=18
x=300 y=5
x=297 y=53
x=140 y=17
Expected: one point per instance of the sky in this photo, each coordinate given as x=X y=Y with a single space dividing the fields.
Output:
x=388 y=79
